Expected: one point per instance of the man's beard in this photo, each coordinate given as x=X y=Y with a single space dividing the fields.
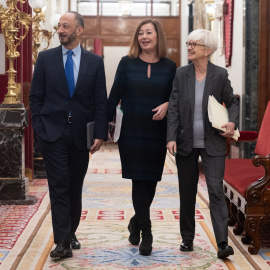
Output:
x=70 y=39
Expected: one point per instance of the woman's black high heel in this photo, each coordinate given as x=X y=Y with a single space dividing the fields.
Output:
x=145 y=248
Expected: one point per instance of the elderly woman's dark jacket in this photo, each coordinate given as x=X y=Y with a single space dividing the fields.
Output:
x=181 y=108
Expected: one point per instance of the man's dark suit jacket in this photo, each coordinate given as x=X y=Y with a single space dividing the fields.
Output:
x=51 y=103
x=181 y=109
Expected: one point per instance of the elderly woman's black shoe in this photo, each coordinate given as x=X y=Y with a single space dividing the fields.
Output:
x=186 y=246
x=224 y=250
x=134 y=229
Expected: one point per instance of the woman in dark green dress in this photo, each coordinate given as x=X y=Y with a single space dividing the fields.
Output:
x=143 y=83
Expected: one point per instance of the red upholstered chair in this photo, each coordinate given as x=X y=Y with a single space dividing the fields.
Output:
x=245 y=136
x=247 y=189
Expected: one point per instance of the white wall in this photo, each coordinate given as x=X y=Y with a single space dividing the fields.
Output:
x=237 y=69
x=112 y=57
x=184 y=32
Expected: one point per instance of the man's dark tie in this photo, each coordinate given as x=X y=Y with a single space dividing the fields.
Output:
x=70 y=73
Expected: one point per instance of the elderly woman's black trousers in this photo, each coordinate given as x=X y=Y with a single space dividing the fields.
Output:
x=188 y=174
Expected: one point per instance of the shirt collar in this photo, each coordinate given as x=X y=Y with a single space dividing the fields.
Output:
x=75 y=50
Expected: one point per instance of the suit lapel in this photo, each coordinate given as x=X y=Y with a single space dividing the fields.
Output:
x=83 y=67
x=58 y=58
x=208 y=87
x=191 y=87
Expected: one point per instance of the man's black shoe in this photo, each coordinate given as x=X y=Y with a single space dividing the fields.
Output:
x=186 y=246
x=62 y=250
x=224 y=250
x=75 y=244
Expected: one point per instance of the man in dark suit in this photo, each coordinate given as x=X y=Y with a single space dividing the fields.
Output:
x=68 y=90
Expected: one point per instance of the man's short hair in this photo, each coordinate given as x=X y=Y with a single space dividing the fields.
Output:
x=78 y=18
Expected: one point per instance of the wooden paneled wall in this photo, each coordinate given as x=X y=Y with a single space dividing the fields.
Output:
x=118 y=31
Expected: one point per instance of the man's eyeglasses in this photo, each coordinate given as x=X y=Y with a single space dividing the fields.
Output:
x=194 y=44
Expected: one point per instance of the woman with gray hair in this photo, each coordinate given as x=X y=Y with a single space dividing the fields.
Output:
x=190 y=135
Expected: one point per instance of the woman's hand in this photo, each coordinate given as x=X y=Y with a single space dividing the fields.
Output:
x=161 y=111
x=230 y=126
x=171 y=146
x=111 y=127
x=96 y=146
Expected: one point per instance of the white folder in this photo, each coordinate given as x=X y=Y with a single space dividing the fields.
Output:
x=118 y=123
x=218 y=116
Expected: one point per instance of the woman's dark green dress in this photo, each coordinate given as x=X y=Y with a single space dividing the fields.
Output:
x=142 y=142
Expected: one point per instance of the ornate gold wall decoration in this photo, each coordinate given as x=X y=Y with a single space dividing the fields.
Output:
x=12 y=20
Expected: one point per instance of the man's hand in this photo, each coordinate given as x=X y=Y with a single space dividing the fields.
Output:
x=96 y=146
x=230 y=126
x=171 y=146
x=161 y=111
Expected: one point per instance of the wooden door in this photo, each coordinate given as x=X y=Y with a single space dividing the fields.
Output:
x=118 y=31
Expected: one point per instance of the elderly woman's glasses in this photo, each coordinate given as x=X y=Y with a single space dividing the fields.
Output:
x=194 y=44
